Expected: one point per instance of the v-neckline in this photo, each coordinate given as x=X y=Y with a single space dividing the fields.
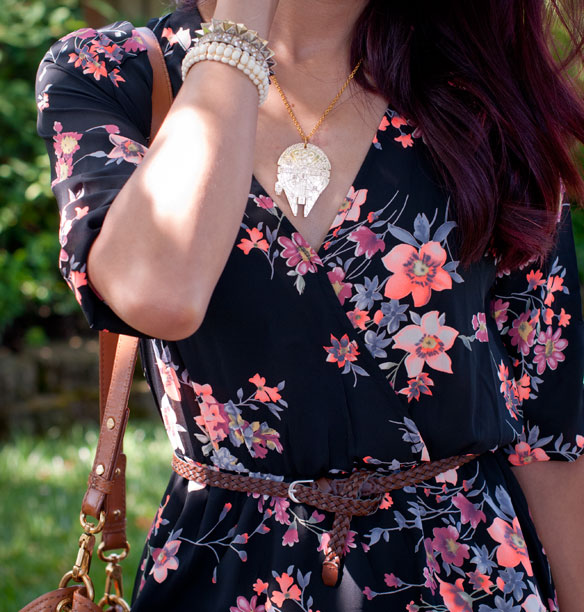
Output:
x=287 y=222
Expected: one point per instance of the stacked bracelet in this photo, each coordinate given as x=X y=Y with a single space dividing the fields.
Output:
x=233 y=44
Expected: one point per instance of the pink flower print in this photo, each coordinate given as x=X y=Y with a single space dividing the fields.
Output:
x=392 y=581
x=300 y=255
x=368 y=243
x=43 y=101
x=127 y=149
x=63 y=169
x=431 y=561
x=499 y=312
x=369 y=593
x=291 y=536
x=455 y=598
x=580 y=441
x=479 y=324
x=264 y=202
x=426 y=343
x=342 y=350
x=165 y=560
x=264 y=394
x=342 y=289
x=256 y=240
x=350 y=209
x=446 y=543
x=469 y=513
x=417 y=386
x=243 y=605
x=169 y=379
x=135 y=43
x=512 y=550
x=416 y=271
x=524 y=454
x=548 y=350
x=66 y=143
x=522 y=332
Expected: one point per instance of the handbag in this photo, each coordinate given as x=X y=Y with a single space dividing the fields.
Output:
x=104 y=500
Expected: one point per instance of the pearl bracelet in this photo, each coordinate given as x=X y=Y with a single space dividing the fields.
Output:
x=257 y=71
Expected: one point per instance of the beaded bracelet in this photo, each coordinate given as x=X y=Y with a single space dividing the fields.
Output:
x=232 y=43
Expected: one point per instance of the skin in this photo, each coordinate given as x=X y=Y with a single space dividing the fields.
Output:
x=171 y=228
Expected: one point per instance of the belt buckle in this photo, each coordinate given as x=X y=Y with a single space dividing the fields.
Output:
x=291 y=489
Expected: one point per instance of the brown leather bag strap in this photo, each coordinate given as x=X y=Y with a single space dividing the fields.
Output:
x=117 y=363
x=162 y=96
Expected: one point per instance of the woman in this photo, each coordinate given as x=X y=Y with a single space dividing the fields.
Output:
x=436 y=313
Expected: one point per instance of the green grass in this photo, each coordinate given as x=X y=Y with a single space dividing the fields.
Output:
x=42 y=483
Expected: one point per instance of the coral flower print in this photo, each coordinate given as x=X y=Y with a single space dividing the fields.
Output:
x=126 y=149
x=548 y=350
x=342 y=350
x=165 y=560
x=524 y=454
x=351 y=207
x=299 y=254
x=512 y=550
x=426 y=343
x=289 y=590
x=263 y=393
x=418 y=272
x=455 y=597
x=256 y=240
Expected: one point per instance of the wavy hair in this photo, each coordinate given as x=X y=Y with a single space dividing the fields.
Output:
x=497 y=100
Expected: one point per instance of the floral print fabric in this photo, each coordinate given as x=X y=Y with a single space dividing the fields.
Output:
x=377 y=351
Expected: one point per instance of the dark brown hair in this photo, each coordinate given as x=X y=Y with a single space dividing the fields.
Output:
x=496 y=106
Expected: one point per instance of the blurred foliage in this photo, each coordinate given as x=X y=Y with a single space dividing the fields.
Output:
x=31 y=284
x=28 y=215
x=44 y=479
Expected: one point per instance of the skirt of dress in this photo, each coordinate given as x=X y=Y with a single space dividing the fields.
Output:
x=462 y=542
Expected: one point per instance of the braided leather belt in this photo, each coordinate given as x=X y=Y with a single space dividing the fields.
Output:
x=357 y=495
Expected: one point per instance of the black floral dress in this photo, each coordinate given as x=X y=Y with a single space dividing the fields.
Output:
x=378 y=351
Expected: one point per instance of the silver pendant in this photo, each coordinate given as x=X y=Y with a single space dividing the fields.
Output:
x=304 y=171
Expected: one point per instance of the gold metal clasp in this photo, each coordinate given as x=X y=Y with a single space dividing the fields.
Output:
x=114 y=593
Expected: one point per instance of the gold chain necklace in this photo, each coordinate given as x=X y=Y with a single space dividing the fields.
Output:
x=304 y=170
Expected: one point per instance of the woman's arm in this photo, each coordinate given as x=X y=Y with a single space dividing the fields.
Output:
x=169 y=232
x=555 y=494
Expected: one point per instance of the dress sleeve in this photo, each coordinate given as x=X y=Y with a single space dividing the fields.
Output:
x=93 y=93
x=538 y=312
